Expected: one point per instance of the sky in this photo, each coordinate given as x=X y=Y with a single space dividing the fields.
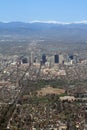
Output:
x=43 y=10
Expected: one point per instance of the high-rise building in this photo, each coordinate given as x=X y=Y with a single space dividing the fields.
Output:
x=71 y=57
x=32 y=57
x=35 y=59
x=44 y=59
x=56 y=58
x=61 y=59
x=51 y=61
x=24 y=60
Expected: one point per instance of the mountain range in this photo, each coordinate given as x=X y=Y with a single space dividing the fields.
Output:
x=46 y=29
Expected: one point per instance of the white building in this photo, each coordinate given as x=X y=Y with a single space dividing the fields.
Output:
x=61 y=58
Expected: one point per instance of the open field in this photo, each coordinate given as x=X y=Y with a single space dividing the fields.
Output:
x=50 y=90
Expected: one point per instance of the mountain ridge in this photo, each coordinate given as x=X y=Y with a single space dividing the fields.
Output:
x=36 y=30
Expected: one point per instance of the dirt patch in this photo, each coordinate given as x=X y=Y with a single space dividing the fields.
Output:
x=50 y=90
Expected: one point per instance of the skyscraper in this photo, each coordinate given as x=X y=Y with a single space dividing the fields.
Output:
x=44 y=59
x=32 y=57
x=61 y=59
x=56 y=58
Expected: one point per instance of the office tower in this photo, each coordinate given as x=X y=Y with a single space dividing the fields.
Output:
x=44 y=59
x=56 y=58
x=51 y=61
x=71 y=57
x=24 y=60
x=32 y=57
x=35 y=58
x=61 y=59
x=75 y=59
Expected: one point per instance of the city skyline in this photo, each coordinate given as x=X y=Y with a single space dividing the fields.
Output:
x=47 y=10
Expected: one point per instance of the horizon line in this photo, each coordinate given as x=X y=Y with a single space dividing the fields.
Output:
x=48 y=21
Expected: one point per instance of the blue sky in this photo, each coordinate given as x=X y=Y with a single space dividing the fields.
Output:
x=43 y=10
